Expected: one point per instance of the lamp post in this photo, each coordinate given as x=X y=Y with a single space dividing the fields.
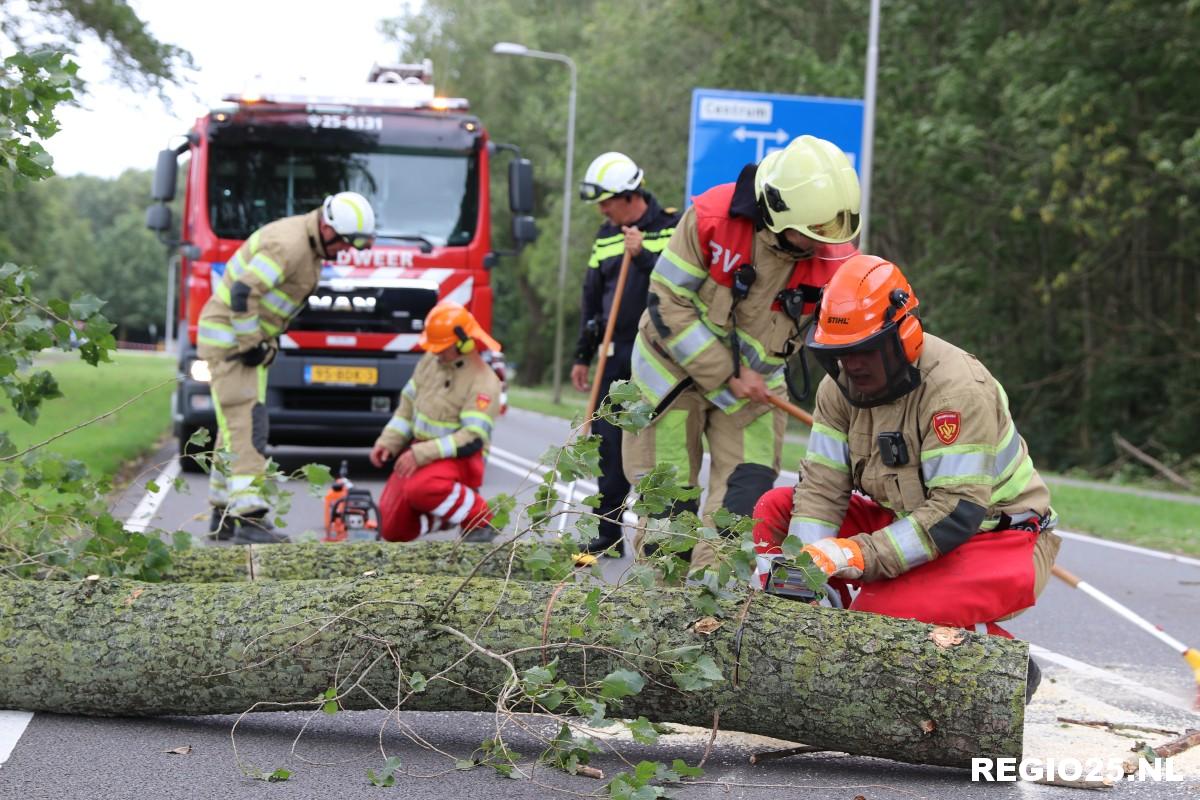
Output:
x=513 y=49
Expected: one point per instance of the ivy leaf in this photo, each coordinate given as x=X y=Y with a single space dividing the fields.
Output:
x=643 y=731
x=621 y=683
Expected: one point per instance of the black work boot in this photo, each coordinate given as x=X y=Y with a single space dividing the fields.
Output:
x=221 y=524
x=254 y=528
x=1033 y=678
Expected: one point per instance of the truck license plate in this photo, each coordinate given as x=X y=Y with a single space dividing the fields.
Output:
x=354 y=376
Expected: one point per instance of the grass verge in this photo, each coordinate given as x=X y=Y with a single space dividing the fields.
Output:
x=91 y=391
x=1148 y=522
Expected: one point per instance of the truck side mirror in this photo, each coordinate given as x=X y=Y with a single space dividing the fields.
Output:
x=158 y=218
x=524 y=230
x=520 y=186
x=164 y=177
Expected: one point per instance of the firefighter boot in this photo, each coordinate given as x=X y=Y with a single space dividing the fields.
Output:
x=1033 y=677
x=221 y=524
x=603 y=545
x=254 y=528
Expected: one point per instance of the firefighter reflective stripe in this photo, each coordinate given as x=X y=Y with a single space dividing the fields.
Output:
x=724 y=399
x=218 y=334
x=409 y=390
x=265 y=269
x=758 y=441
x=691 y=342
x=444 y=507
x=279 y=303
x=809 y=529
x=958 y=465
x=446 y=446
x=829 y=448
x=222 y=293
x=909 y=543
x=235 y=269
x=679 y=275
x=656 y=241
x=477 y=422
x=244 y=496
x=245 y=326
x=605 y=248
x=400 y=425
x=670 y=443
x=469 y=500
x=270 y=328
x=755 y=355
x=427 y=428
x=652 y=379
x=1009 y=489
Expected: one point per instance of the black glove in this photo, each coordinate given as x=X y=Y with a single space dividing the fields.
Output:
x=262 y=354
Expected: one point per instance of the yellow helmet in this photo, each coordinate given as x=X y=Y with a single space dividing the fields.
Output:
x=810 y=187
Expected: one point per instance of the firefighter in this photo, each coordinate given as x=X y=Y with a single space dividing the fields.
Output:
x=264 y=286
x=728 y=298
x=635 y=223
x=917 y=488
x=440 y=433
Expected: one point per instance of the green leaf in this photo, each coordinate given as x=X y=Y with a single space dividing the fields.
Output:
x=152 y=486
x=684 y=771
x=465 y=764
x=330 y=707
x=621 y=683
x=279 y=775
x=643 y=731
x=317 y=474
x=417 y=682
x=85 y=305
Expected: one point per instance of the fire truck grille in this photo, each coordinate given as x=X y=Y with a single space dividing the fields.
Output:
x=329 y=400
x=367 y=310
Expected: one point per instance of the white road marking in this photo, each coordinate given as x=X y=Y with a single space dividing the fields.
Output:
x=12 y=725
x=1129 y=548
x=143 y=515
x=1089 y=671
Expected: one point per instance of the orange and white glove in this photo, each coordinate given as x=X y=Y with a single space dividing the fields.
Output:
x=837 y=558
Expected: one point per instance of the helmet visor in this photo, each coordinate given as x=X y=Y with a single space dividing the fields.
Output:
x=359 y=241
x=871 y=372
x=593 y=192
x=842 y=228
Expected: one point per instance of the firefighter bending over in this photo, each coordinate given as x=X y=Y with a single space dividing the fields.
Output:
x=440 y=433
x=264 y=286
x=917 y=490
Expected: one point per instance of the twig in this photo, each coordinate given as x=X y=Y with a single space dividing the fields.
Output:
x=711 y=738
x=1178 y=745
x=74 y=428
x=1080 y=783
x=1115 y=726
x=1166 y=471
x=773 y=755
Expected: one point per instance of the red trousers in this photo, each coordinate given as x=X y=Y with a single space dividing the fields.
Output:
x=439 y=495
x=987 y=578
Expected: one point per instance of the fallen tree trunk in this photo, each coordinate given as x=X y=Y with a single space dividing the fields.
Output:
x=316 y=561
x=836 y=680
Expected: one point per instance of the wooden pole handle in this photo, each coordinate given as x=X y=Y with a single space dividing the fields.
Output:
x=1067 y=577
x=609 y=327
x=794 y=411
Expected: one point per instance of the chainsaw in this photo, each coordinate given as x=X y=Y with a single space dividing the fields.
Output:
x=789 y=582
x=350 y=513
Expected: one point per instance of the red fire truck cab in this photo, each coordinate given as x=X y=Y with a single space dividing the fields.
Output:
x=421 y=160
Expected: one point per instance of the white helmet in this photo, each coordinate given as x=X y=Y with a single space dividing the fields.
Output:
x=351 y=217
x=608 y=175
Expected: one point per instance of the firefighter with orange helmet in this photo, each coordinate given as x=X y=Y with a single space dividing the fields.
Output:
x=917 y=490
x=728 y=298
x=440 y=432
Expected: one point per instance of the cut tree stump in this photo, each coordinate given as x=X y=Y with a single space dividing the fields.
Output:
x=316 y=560
x=837 y=680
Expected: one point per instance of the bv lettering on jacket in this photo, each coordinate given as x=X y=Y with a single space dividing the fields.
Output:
x=724 y=257
x=947 y=424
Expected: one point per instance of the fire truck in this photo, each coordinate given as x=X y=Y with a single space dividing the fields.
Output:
x=422 y=160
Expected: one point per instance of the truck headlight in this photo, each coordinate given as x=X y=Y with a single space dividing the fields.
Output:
x=198 y=371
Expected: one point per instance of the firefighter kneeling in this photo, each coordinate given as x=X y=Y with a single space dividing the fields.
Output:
x=440 y=433
x=917 y=488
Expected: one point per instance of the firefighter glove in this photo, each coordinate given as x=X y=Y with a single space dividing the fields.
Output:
x=262 y=354
x=837 y=558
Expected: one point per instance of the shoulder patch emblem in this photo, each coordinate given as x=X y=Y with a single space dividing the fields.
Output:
x=482 y=401
x=947 y=424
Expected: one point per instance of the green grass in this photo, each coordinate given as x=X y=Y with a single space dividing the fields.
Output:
x=91 y=391
x=1161 y=524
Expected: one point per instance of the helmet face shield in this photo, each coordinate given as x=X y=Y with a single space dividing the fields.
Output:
x=593 y=192
x=359 y=241
x=870 y=372
x=842 y=228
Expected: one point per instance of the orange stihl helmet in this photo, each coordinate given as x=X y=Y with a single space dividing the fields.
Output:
x=866 y=329
x=451 y=325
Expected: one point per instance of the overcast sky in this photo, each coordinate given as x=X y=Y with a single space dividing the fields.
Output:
x=230 y=41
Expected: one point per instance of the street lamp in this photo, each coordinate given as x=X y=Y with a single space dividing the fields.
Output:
x=514 y=49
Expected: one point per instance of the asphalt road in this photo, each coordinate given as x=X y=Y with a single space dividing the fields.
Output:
x=1096 y=665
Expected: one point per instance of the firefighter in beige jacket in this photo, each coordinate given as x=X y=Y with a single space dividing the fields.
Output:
x=265 y=284
x=441 y=432
x=728 y=297
x=917 y=488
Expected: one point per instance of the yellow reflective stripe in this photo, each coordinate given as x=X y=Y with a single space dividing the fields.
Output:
x=270 y=327
x=724 y=399
x=683 y=264
x=279 y=302
x=1013 y=487
x=216 y=333
x=600 y=253
x=908 y=543
x=236 y=266
x=477 y=422
x=811 y=529
x=409 y=390
x=358 y=212
x=400 y=425
x=265 y=268
x=652 y=379
x=244 y=326
x=758 y=442
x=446 y=446
x=754 y=354
x=222 y=293
x=828 y=447
x=655 y=245
x=691 y=342
x=429 y=428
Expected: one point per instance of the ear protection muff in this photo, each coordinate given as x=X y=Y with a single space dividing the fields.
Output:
x=912 y=335
x=465 y=343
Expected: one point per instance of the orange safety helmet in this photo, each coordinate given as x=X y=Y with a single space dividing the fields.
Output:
x=867 y=309
x=451 y=325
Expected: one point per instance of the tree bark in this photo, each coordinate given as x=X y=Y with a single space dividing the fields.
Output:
x=837 y=680
x=315 y=561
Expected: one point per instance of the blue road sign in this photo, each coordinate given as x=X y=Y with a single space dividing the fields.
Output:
x=732 y=129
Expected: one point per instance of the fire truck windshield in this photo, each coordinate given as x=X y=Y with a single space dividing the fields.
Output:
x=416 y=194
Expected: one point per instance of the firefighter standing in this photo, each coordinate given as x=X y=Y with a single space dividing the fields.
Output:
x=951 y=524
x=728 y=297
x=264 y=286
x=440 y=432
x=635 y=223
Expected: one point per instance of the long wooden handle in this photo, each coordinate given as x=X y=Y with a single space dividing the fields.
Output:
x=794 y=411
x=1068 y=577
x=609 y=328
